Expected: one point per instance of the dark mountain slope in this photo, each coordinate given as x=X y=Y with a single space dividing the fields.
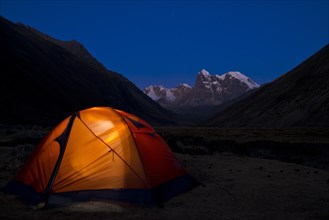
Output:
x=299 y=98
x=43 y=80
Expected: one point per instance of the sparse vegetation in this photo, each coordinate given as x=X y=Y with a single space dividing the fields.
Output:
x=306 y=146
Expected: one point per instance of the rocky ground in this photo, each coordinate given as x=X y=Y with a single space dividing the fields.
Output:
x=236 y=186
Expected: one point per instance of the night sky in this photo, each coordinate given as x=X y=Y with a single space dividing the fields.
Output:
x=169 y=42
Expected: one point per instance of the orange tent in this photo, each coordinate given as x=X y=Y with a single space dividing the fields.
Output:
x=101 y=153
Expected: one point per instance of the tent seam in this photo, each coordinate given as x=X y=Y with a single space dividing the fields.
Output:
x=113 y=151
x=139 y=154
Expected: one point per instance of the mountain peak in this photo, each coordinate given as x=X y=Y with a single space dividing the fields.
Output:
x=235 y=74
x=185 y=85
x=284 y=102
x=208 y=90
x=205 y=73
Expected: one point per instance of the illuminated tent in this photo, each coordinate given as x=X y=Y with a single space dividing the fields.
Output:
x=101 y=153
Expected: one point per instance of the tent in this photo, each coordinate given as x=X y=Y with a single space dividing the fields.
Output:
x=101 y=153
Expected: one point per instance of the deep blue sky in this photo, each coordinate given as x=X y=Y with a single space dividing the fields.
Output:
x=169 y=42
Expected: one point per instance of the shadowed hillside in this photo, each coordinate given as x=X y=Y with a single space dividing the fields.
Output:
x=299 y=98
x=44 y=80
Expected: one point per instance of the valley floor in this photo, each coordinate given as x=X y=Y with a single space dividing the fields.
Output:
x=235 y=187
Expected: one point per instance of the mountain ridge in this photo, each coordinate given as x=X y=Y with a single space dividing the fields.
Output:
x=58 y=79
x=299 y=98
x=208 y=90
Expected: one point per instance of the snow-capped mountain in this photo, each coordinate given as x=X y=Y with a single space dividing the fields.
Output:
x=299 y=98
x=168 y=97
x=208 y=90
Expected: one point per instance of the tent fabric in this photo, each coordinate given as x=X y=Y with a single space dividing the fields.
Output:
x=104 y=153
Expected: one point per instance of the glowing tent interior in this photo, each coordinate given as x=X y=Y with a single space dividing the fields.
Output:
x=101 y=153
